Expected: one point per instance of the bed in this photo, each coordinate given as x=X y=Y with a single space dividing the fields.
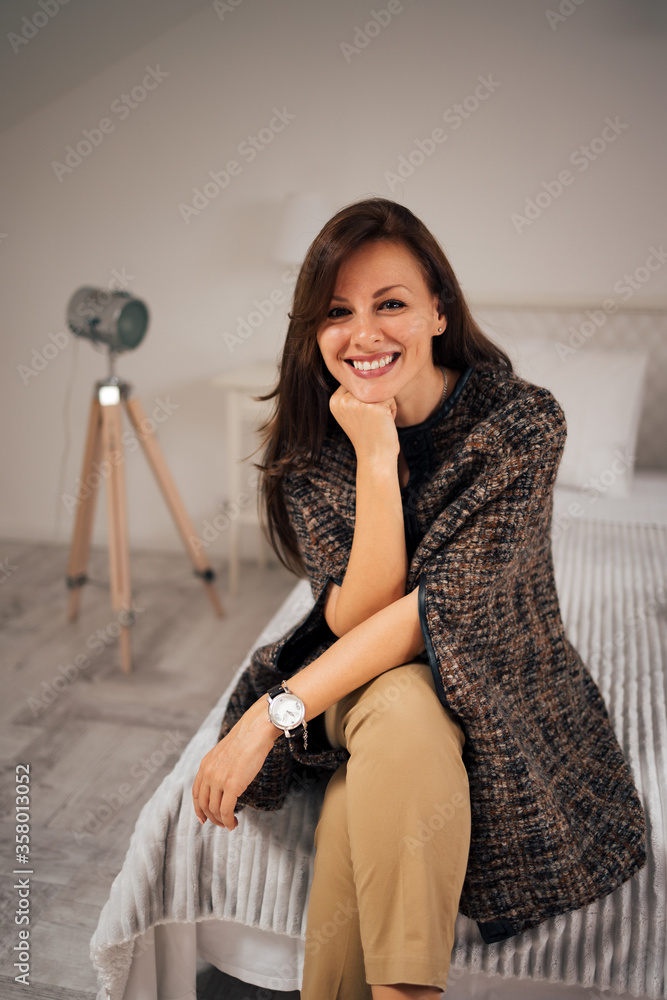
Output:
x=238 y=900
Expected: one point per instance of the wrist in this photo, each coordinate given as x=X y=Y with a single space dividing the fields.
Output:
x=378 y=466
x=261 y=721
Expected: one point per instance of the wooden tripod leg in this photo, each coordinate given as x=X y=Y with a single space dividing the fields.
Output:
x=119 y=556
x=83 y=524
x=144 y=432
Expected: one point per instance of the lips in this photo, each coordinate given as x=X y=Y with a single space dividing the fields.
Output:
x=381 y=366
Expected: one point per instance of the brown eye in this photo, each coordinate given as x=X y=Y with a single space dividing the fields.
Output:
x=391 y=304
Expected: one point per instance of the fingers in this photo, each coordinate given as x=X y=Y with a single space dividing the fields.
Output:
x=213 y=808
x=201 y=795
x=336 y=397
x=196 y=791
x=200 y=802
x=226 y=811
x=207 y=805
x=208 y=801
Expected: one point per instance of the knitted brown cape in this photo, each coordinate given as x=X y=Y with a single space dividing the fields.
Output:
x=556 y=819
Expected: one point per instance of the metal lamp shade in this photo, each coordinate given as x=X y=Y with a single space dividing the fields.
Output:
x=108 y=317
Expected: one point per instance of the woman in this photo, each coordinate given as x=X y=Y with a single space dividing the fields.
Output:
x=409 y=472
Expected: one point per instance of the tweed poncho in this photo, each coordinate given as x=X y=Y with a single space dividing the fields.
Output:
x=556 y=819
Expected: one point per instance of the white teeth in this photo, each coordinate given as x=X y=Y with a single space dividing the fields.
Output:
x=365 y=366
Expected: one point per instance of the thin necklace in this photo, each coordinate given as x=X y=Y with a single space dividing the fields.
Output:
x=444 y=391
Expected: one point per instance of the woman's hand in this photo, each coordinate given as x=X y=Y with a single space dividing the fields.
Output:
x=370 y=427
x=227 y=770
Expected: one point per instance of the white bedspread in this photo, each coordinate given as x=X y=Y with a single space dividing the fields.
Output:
x=238 y=899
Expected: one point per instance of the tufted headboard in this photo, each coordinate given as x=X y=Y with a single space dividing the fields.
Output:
x=632 y=330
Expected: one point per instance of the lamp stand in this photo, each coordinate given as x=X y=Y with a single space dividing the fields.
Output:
x=104 y=451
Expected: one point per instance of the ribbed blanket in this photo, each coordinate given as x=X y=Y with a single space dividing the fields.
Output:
x=613 y=593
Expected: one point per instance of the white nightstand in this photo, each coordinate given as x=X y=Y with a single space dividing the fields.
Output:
x=240 y=385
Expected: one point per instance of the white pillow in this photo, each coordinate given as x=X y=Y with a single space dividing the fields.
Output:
x=601 y=394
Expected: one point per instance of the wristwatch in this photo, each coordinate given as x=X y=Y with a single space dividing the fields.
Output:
x=287 y=712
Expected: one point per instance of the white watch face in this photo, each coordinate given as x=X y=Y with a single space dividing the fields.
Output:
x=286 y=711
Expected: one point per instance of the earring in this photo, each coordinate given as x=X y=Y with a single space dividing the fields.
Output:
x=439 y=329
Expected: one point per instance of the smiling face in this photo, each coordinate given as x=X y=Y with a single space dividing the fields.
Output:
x=377 y=337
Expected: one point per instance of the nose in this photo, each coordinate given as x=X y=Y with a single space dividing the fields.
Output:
x=365 y=331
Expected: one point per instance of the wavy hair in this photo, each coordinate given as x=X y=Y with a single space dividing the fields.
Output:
x=292 y=436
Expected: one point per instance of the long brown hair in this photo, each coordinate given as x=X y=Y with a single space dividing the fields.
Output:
x=292 y=437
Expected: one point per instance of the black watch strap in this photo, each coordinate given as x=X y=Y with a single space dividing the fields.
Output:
x=299 y=731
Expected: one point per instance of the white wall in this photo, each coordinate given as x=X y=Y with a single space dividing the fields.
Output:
x=554 y=85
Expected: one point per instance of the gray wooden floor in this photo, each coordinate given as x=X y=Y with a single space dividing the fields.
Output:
x=99 y=742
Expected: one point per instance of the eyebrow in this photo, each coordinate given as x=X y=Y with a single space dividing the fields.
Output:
x=376 y=295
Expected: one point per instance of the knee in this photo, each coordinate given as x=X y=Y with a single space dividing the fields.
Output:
x=402 y=704
x=404 y=696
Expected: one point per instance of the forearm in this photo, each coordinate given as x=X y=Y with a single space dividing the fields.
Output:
x=378 y=564
x=387 y=639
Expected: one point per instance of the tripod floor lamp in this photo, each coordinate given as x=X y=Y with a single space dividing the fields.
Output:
x=115 y=319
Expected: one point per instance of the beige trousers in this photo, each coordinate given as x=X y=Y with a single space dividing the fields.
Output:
x=392 y=842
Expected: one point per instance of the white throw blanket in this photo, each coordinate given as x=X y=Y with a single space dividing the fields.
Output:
x=614 y=600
